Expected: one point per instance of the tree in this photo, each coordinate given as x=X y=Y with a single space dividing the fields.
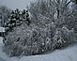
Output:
x=61 y=12
x=56 y=11
x=26 y=17
x=41 y=13
x=11 y=22
x=4 y=13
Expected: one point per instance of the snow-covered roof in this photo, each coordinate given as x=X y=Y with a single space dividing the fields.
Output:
x=2 y=29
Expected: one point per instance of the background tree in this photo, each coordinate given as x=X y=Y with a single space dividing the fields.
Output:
x=4 y=12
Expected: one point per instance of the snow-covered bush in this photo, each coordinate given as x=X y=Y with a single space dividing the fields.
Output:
x=50 y=29
x=33 y=40
x=29 y=40
x=63 y=37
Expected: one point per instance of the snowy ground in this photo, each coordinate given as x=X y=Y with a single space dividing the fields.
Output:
x=68 y=54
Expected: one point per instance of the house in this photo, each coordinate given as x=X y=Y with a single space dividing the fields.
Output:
x=2 y=35
x=2 y=31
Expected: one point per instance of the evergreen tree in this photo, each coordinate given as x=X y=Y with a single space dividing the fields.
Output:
x=27 y=18
x=11 y=22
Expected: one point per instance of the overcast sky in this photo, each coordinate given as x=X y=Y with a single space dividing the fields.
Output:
x=15 y=3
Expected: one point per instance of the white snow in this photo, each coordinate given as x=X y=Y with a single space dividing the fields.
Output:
x=67 y=54
x=1 y=41
x=2 y=29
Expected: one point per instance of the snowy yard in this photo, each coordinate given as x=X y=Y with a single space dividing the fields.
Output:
x=67 y=54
